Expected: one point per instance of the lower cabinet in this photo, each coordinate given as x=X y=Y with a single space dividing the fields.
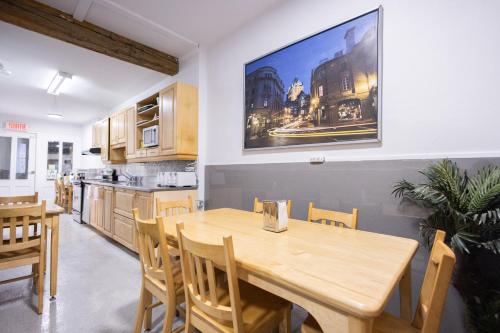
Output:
x=111 y=210
x=124 y=231
x=107 y=225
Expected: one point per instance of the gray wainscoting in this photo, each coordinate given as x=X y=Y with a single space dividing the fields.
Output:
x=366 y=185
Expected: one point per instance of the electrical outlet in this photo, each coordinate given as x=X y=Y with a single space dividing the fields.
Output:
x=317 y=160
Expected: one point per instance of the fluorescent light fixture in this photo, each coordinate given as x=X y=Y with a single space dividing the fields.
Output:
x=57 y=81
x=55 y=116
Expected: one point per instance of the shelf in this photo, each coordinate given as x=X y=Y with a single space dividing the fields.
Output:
x=149 y=123
x=149 y=111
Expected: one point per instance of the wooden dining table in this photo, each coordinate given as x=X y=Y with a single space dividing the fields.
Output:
x=52 y=212
x=342 y=277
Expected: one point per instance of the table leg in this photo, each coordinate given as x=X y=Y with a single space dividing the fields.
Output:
x=54 y=248
x=335 y=321
x=405 y=295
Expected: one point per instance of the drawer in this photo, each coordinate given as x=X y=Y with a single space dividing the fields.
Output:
x=152 y=152
x=124 y=202
x=141 y=153
x=124 y=231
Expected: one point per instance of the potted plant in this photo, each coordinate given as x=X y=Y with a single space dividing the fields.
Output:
x=468 y=210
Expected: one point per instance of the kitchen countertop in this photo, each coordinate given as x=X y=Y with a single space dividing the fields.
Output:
x=137 y=187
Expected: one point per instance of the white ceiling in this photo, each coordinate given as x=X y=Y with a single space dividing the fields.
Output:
x=99 y=82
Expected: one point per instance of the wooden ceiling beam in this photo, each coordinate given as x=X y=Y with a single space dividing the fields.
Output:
x=40 y=18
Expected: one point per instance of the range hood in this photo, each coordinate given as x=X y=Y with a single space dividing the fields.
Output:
x=92 y=151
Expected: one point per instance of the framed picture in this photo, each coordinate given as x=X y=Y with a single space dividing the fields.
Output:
x=324 y=89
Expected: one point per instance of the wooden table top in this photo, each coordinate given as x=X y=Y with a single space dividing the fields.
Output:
x=51 y=208
x=352 y=270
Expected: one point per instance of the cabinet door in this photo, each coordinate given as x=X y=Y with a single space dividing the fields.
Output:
x=105 y=140
x=108 y=211
x=131 y=129
x=144 y=203
x=122 y=130
x=124 y=202
x=167 y=121
x=96 y=135
x=124 y=231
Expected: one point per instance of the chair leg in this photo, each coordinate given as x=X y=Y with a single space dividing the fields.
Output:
x=40 y=290
x=169 y=317
x=187 y=325
x=148 y=300
x=139 y=319
x=286 y=323
x=34 y=271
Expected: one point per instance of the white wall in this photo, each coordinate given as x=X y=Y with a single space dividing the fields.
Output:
x=440 y=71
x=49 y=130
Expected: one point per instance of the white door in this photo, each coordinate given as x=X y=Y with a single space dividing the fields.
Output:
x=17 y=163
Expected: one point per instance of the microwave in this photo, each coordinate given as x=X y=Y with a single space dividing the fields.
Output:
x=150 y=136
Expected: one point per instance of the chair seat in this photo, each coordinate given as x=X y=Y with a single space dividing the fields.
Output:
x=261 y=311
x=19 y=258
x=387 y=323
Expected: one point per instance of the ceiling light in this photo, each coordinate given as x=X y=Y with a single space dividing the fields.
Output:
x=57 y=81
x=55 y=116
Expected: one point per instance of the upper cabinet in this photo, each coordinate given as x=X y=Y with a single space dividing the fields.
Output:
x=96 y=135
x=163 y=126
x=166 y=125
x=179 y=121
x=104 y=138
x=117 y=128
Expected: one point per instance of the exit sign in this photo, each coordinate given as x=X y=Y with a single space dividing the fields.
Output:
x=16 y=126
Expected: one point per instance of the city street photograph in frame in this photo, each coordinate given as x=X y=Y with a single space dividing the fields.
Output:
x=324 y=89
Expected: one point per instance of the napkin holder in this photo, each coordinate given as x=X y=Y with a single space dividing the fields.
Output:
x=275 y=215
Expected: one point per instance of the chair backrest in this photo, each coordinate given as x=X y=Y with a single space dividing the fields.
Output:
x=20 y=217
x=19 y=199
x=177 y=207
x=60 y=187
x=198 y=258
x=435 y=286
x=339 y=219
x=153 y=250
x=258 y=206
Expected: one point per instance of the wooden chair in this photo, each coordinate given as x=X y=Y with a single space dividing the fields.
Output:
x=57 y=190
x=19 y=199
x=258 y=207
x=161 y=277
x=169 y=208
x=238 y=308
x=432 y=297
x=25 y=250
x=430 y=305
x=339 y=219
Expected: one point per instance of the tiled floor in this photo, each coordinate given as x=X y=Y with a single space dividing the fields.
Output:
x=98 y=289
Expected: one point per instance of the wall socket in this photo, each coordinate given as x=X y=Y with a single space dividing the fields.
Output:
x=317 y=160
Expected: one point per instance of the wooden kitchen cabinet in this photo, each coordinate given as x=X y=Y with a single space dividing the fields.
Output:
x=124 y=231
x=178 y=137
x=124 y=202
x=117 y=128
x=107 y=225
x=104 y=137
x=131 y=124
x=111 y=210
x=96 y=135
x=144 y=202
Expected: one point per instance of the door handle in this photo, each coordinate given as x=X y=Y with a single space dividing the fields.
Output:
x=32 y=172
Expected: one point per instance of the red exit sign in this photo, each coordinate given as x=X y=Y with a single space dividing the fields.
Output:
x=16 y=126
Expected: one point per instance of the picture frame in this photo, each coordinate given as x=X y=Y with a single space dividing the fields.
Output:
x=336 y=100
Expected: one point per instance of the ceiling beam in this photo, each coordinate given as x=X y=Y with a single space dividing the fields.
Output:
x=81 y=10
x=54 y=23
